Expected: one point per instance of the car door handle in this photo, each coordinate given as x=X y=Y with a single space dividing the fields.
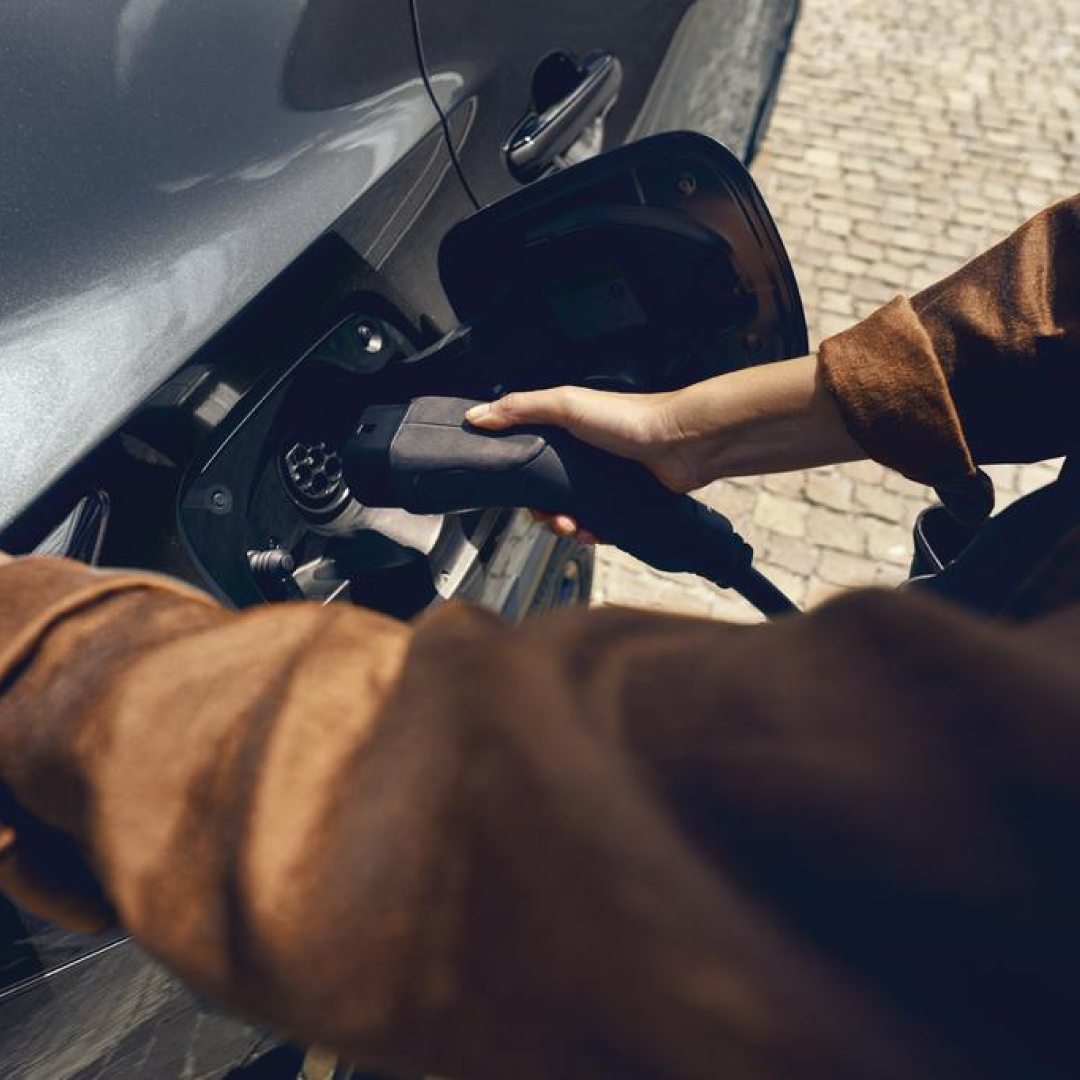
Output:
x=538 y=141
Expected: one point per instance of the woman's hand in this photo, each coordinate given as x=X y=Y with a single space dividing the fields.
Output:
x=772 y=418
x=637 y=426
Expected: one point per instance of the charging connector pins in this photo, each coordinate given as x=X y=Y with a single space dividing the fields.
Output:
x=273 y=563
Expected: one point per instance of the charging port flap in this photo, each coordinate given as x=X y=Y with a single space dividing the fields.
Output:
x=647 y=268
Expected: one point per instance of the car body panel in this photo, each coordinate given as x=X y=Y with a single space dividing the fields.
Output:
x=113 y=1013
x=721 y=72
x=204 y=147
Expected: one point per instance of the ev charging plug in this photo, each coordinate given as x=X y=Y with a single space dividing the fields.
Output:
x=424 y=457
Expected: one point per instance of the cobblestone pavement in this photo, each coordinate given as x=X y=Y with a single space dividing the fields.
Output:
x=906 y=138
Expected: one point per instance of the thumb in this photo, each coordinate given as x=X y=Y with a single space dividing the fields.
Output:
x=533 y=407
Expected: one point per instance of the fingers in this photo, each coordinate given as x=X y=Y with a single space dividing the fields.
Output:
x=564 y=406
x=534 y=407
x=559 y=524
x=563 y=525
x=625 y=424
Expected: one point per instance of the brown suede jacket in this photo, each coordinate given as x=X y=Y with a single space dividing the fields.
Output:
x=610 y=843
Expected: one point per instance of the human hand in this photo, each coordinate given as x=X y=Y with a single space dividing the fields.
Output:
x=636 y=426
x=772 y=418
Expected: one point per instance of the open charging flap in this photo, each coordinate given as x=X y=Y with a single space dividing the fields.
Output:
x=647 y=268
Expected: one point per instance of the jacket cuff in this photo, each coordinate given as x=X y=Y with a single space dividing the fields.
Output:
x=47 y=876
x=893 y=395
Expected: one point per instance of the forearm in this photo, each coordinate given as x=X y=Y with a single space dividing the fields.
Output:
x=604 y=843
x=773 y=418
x=431 y=851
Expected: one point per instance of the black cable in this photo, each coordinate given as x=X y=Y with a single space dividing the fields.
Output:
x=418 y=41
x=755 y=587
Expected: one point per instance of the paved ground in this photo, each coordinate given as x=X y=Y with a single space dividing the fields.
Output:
x=906 y=138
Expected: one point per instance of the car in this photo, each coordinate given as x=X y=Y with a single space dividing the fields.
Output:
x=216 y=216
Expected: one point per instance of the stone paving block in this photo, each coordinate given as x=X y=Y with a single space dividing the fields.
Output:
x=790 y=484
x=841 y=568
x=834 y=223
x=641 y=587
x=829 y=488
x=778 y=513
x=890 y=275
x=833 y=279
x=886 y=542
x=828 y=324
x=877 y=502
x=1032 y=477
x=796 y=555
x=830 y=529
x=866 y=472
x=848 y=264
x=837 y=303
x=731 y=499
x=863 y=249
x=900 y=484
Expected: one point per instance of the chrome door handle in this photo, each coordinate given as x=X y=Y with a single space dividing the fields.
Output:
x=543 y=137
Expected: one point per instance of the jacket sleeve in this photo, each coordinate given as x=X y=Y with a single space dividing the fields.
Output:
x=602 y=844
x=982 y=367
